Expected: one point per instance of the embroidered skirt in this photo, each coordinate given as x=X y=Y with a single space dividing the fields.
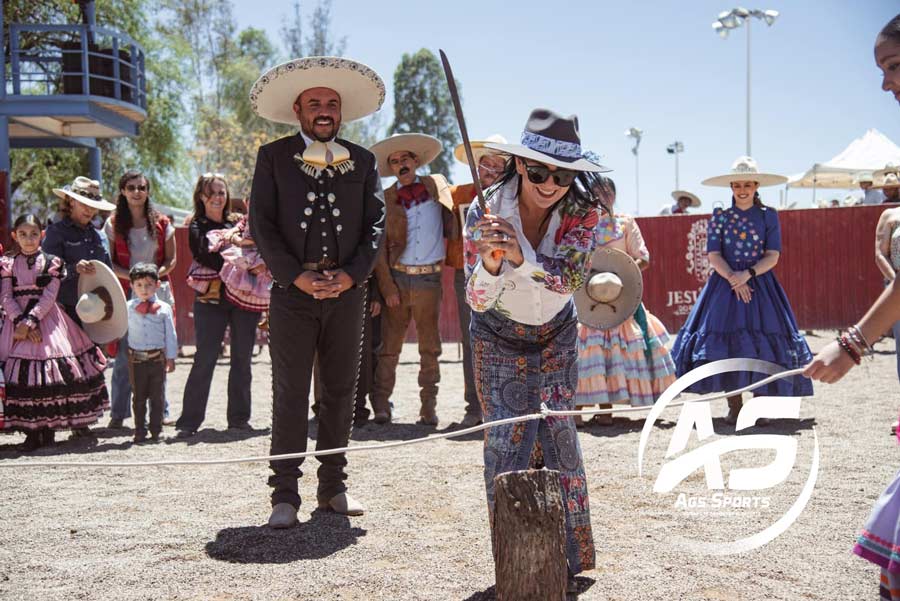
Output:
x=518 y=367
x=880 y=538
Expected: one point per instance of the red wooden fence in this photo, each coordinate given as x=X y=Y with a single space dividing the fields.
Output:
x=827 y=265
x=827 y=268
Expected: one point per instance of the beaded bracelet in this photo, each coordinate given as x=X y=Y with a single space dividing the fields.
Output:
x=844 y=341
x=857 y=335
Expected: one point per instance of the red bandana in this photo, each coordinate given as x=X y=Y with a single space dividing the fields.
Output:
x=146 y=307
x=412 y=195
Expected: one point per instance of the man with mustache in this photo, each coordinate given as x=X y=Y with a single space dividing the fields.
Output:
x=419 y=216
x=490 y=165
x=316 y=214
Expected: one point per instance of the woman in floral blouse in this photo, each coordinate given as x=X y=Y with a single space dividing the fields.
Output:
x=524 y=261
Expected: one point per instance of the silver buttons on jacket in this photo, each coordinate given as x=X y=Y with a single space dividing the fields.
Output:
x=311 y=196
x=307 y=211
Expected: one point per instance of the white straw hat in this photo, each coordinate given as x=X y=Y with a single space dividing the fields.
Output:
x=426 y=148
x=745 y=169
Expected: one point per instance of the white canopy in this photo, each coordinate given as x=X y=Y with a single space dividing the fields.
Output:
x=871 y=152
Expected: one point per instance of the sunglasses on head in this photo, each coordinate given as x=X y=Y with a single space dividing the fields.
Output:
x=538 y=174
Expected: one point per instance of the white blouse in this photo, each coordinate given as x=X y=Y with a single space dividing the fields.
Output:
x=538 y=289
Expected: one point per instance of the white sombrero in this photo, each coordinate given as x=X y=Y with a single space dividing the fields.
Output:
x=360 y=87
x=425 y=147
x=864 y=176
x=612 y=291
x=695 y=200
x=101 y=304
x=888 y=168
x=742 y=170
x=478 y=149
x=86 y=191
x=890 y=180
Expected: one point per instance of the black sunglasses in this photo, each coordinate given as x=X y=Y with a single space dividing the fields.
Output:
x=538 y=174
x=132 y=188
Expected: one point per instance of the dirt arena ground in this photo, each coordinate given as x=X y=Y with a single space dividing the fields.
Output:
x=198 y=533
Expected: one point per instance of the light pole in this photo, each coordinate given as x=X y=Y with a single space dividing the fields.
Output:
x=732 y=19
x=635 y=133
x=675 y=148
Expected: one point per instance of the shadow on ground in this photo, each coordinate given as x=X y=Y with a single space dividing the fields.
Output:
x=324 y=534
x=490 y=593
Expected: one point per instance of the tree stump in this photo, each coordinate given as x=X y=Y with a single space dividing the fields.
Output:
x=529 y=536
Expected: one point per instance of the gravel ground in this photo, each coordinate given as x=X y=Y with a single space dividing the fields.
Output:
x=192 y=533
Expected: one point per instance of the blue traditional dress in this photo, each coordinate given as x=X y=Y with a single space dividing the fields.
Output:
x=721 y=326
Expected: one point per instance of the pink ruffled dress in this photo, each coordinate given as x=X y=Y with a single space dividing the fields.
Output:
x=246 y=290
x=57 y=383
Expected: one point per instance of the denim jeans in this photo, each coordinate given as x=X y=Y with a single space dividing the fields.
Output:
x=465 y=317
x=210 y=321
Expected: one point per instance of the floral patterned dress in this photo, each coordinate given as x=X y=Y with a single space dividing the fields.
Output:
x=523 y=340
x=721 y=326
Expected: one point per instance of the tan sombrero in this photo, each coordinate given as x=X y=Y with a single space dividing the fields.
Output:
x=695 y=200
x=86 y=191
x=425 y=147
x=101 y=304
x=361 y=89
x=890 y=180
x=864 y=176
x=742 y=170
x=478 y=149
x=612 y=291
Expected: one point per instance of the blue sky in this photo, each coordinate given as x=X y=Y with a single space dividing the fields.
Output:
x=656 y=65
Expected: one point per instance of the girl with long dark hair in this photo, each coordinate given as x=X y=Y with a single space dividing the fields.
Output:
x=137 y=233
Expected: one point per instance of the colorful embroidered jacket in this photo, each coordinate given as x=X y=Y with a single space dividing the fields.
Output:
x=534 y=292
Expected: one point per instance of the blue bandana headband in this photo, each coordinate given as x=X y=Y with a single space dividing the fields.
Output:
x=558 y=148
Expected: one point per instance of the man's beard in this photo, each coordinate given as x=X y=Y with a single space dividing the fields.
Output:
x=311 y=132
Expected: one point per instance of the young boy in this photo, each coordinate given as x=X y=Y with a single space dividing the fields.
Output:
x=152 y=347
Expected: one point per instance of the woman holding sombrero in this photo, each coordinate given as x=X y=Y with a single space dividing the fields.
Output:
x=524 y=261
x=743 y=311
x=74 y=240
x=621 y=358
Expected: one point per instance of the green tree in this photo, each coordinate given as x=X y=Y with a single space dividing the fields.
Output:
x=320 y=42
x=422 y=104
x=157 y=149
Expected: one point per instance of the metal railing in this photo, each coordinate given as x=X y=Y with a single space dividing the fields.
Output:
x=75 y=59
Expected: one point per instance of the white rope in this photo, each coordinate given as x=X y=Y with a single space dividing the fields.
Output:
x=544 y=413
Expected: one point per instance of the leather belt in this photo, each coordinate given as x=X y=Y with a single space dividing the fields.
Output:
x=141 y=356
x=417 y=269
x=320 y=266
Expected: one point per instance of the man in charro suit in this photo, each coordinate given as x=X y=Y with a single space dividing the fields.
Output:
x=316 y=213
x=418 y=211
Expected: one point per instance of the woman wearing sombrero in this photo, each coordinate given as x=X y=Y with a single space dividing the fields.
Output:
x=743 y=312
x=524 y=261
x=74 y=240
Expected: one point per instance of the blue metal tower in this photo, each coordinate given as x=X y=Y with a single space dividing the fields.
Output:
x=68 y=85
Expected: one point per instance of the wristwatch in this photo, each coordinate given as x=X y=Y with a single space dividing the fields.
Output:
x=752 y=272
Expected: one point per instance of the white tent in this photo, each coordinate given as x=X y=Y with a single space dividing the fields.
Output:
x=871 y=152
